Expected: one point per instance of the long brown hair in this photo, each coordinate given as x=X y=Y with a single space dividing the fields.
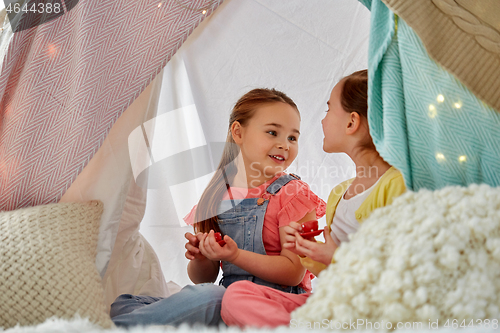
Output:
x=243 y=111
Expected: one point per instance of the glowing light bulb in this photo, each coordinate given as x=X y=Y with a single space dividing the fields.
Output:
x=462 y=159
x=159 y=5
x=204 y=11
x=440 y=98
x=52 y=50
x=440 y=157
x=432 y=111
x=458 y=105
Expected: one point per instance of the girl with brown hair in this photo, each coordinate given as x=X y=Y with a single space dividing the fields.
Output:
x=250 y=200
x=376 y=184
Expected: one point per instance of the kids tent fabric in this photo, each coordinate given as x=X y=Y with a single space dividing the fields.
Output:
x=422 y=119
x=65 y=82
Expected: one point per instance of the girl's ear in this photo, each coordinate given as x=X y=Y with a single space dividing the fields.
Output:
x=354 y=123
x=236 y=132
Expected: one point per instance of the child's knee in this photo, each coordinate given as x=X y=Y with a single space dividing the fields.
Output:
x=237 y=290
x=120 y=304
x=127 y=303
x=205 y=293
x=215 y=292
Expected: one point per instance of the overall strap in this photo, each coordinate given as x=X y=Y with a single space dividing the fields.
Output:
x=280 y=182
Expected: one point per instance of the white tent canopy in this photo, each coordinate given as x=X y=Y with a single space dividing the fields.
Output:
x=299 y=47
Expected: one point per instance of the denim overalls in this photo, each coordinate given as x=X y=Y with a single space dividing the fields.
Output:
x=243 y=220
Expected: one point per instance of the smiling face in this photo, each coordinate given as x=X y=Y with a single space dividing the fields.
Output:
x=268 y=142
x=335 y=123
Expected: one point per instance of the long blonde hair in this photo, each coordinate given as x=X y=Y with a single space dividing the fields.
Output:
x=243 y=111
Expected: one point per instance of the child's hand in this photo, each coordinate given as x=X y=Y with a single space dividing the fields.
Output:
x=213 y=251
x=192 y=250
x=322 y=252
x=290 y=231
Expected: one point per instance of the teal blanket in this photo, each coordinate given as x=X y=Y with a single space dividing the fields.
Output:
x=424 y=121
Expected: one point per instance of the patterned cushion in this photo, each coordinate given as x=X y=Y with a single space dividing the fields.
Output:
x=47 y=256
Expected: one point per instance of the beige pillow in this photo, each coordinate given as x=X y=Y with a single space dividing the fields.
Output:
x=47 y=264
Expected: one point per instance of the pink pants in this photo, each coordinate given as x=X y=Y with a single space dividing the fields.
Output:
x=248 y=304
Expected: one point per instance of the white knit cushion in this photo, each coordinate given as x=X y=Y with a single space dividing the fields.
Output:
x=429 y=257
x=47 y=264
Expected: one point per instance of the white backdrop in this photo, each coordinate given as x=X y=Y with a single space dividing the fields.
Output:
x=301 y=47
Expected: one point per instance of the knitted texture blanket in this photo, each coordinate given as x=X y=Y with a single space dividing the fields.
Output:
x=461 y=35
x=432 y=257
x=424 y=121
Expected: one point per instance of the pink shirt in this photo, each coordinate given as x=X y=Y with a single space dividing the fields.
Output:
x=291 y=203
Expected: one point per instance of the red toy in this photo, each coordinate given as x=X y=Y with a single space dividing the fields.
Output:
x=218 y=239
x=310 y=229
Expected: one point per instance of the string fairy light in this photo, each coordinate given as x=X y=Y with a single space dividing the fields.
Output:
x=51 y=50
x=203 y=10
x=440 y=157
x=432 y=111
